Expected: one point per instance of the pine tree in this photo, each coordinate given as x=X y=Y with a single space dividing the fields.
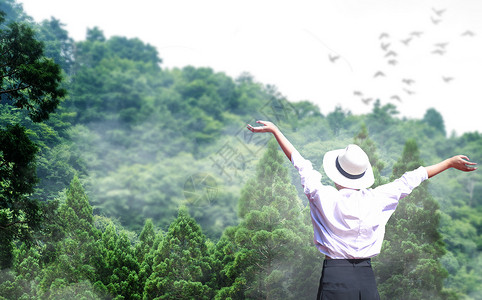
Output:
x=118 y=274
x=368 y=145
x=146 y=250
x=78 y=252
x=146 y=241
x=409 y=265
x=272 y=245
x=181 y=267
x=20 y=215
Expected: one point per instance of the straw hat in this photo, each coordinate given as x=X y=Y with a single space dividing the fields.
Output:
x=349 y=167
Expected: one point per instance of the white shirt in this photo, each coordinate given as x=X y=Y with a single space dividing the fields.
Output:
x=351 y=223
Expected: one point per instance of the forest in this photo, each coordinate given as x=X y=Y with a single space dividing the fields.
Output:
x=122 y=179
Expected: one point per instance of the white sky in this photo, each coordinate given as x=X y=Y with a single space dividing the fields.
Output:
x=288 y=44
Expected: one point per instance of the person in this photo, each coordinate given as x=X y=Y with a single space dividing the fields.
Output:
x=349 y=219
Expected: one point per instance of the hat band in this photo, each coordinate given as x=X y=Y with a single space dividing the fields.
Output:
x=347 y=175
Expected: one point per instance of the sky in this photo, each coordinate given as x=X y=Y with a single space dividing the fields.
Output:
x=415 y=54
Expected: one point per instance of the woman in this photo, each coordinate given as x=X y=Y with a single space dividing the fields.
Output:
x=349 y=220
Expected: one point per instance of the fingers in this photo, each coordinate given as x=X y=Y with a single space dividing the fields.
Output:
x=470 y=166
x=466 y=165
x=254 y=129
x=259 y=128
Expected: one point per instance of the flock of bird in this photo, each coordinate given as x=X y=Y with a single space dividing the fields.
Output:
x=391 y=56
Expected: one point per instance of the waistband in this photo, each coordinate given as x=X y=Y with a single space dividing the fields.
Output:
x=363 y=262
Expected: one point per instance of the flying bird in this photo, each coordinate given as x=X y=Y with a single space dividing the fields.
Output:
x=441 y=45
x=384 y=35
x=396 y=97
x=385 y=46
x=367 y=100
x=468 y=33
x=378 y=74
x=438 y=12
x=447 y=79
x=406 y=41
x=408 y=81
x=435 y=21
x=333 y=58
x=357 y=93
x=392 y=62
x=391 y=53
x=438 y=51
x=409 y=91
x=416 y=33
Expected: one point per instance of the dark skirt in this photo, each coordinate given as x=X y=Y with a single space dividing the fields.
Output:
x=347 y=279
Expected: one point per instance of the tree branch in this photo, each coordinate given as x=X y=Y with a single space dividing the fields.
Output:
x=15 y=89
x=9 y=74
x=14 y=223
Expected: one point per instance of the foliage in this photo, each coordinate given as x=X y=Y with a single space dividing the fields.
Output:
x=272 y=243
x=28 y=80
x=409 y=266
x=116 y=157
x=181 y=264
x=19 y=214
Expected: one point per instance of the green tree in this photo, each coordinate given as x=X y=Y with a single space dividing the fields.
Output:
x=57 y=43
x=28 y=80
x=435 y=120
x=19 y=214
x=78 y=256
x=13 y=11
x=146 y=241
x=21 y=280
x=181 y=266
x=381 y=117
x=148 y=244
x=368 y=145
x=336 y=119
x=409 y=264
x=272 y=245
x=118 y=270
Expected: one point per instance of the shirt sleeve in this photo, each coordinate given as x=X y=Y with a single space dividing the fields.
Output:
x=310 y=179
x=401 y=187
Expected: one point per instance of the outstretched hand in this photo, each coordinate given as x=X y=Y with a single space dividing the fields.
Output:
x=462 y=163
x=282 y=140
x=267 y=127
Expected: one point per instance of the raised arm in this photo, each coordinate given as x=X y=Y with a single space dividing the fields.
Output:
x=459 y=162
x=285 y=145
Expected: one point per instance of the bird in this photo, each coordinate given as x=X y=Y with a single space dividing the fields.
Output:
x=438 y=51
x=435 y=21
x=384 y=35
x=379 y=73
x=408 y=81
x=357 y=93
x=438 y=12
x=447 y=79
x=333 y=58
x=409 y=91
x=367 y=100
x=406 y=41
x=391 y=53
x=468 y=33
x=396 y=97
x=416 y=33
x=392 y=62
x=441 y=45
x=385 y=46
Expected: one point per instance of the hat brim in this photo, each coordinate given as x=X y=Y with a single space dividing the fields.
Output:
x=329 y=165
